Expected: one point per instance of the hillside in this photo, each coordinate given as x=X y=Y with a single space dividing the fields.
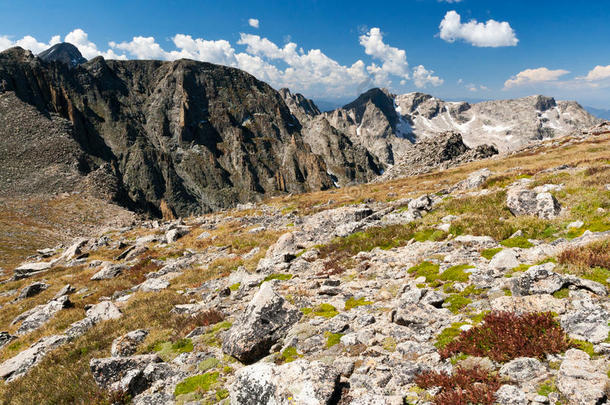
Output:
x=360 y=295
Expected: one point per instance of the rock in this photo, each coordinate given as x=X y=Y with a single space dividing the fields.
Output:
x=510 y=395
x=104 y=311
x=65 y=290
x=153 y=284
x=17 y=366
x=30 y=269
x=174 y=234
x=372 y=399
x=581 y=380
x=521 y=201
x=475 y=179
x=108 y=271
x=74 y=250
x=522 y=369
x=127 y=344
x=121 y=372
x=530 y=303
x=79 y=328
x=6 y=338
x=575 y=225
x=423 y=203
x=39 y=315
x=590 y=324
x=537 y=280
x=266 y=320
x=32 y=290
x=298 y=382
x=504 y=260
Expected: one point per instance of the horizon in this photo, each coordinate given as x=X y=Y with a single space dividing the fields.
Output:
x=452 y=49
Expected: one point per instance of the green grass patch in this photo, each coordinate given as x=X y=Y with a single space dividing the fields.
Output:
x=447 y=335
x=353 y=303
x=425 y=269
x=489 y=253
x=434 y=235
x=235 y=287
x=208 y=364
x=169 y=351
x=289 y=354
x=517 y=242
x=332 y=339
x=456 y=273
x=585 y=346
x=456 y=302
x=324 y=310
x=277 y=276
x=202 y=382
x=389 y=343
x=563 y=293
x=546 y=388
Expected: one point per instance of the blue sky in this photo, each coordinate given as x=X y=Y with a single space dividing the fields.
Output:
x=335 y=49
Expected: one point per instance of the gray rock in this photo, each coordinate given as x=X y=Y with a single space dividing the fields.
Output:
x=266 y=320
x=104 y=311
x=510 y=395
x=376 y=399
x=65 y=290
x=122 y=372
x=581 y=380
x=537 y=280
x=6 y=338
x=108 y=271
x=521 y=201
x=74 y=250
x=305 y=382
x=153 y=284
x=17 y=366
x=32 y=290
x=39 y=315
x=127 y=344
x=475 y=179
x=504 y=260
x=30 y=269
x=590 y=325
x=174 y=234
x=522 y=369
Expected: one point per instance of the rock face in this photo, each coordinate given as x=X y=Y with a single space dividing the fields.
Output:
x=266 y=320
x=204 y=138
x=581 y=380
x=299 y=382
x=522 y=201
x=64 y=53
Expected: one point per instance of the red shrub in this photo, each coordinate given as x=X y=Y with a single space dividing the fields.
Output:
x=463 y=387
x=504 y=336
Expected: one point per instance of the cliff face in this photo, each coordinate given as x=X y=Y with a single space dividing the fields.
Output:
x=199 y=136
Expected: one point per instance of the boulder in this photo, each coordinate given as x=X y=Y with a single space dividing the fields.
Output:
x=265 y=321
x=522 y=369
x=104 y=311
x=32 y=290
x=108 y=271
x=74 y=250
x=510 y=395
x=521 y=201
x=504 y=260
x=30 y=269
x=124 y=373
x=17 y=366
x=587 y=324
x=581 y=380
x=153 y=284
x=298 y=382
x=475 y=179
x=174 y=234
x=127 y=344
x=529 y=303
x=537 y=280
x=6 y=338
x=39 y=315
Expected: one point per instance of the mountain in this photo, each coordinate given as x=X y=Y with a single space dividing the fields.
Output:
x=599 y=113
x=64 y=53
x=196 y=136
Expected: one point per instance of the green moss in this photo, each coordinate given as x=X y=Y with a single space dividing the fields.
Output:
x=332 y=338
x=518 y=242
x=324 y=310
x=235 y=287
x=478 y=318
x=425 y=269
x=429 y=234
x=210 y=338
x=222 y=394
x=353 y=303
x=546 y=388
x=447 y=335
x=202 y=382
x=208 y=364
x=454 y=360
x=289 y=354
x=585 y=346
x=507 y=292
x=389 y=343
x=456 y=273
x=489 y=253
x=598 y=274
x=456 y=302
x=169 y=351
x=277 y=276
x=563 y=293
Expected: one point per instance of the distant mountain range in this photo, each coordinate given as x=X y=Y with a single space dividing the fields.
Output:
x=598 y=112
x=197 y=137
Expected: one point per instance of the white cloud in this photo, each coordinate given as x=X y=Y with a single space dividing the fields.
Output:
x=534 y=76
x=253 y=22
x=489 y=34
x=394 y=60
x=598 y=73
x=28 y=42
x=423 y=77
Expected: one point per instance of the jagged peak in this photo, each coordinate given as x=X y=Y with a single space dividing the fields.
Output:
x=63 y=52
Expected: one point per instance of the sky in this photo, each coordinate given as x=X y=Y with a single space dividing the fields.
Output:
x=335 y=50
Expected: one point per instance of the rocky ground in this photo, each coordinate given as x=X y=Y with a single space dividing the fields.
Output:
x=485 y=283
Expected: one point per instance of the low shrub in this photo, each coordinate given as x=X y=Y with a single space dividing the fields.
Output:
x=503 y=336
x=463 y=387
x=596 y=254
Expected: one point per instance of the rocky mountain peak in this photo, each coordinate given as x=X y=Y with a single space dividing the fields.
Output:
x=303 y=108
x=64 y=53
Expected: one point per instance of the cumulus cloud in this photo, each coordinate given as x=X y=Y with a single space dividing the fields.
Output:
x=489 y=34
x=534 y=76
x=598 y=73
x=423 y=77
x=253 y=22
x=288 y=65
x=394 y=60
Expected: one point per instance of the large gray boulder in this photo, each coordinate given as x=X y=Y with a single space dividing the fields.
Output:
x=298 y=382
x=108 y=271
x=127 y=344
x=581 y=380
x=122 y=373
x=587 y=324
x=265 y=321
x=20 y=364
x=32 y=290
x=521 y=201
x=40 y=314
x=26 y=270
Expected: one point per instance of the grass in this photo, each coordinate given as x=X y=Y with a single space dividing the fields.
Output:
x=277 y=276
x=288 y=355
x=490 y=253
x=353 y=303
x=323 y=310
x=517 y=242
x=332 y=339
x=425 y=269
x=202 y=383
x=591 y=261
x=169 y=351
x=456 y=273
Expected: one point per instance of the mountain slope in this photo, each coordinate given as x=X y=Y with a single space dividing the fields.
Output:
x=198 y=136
